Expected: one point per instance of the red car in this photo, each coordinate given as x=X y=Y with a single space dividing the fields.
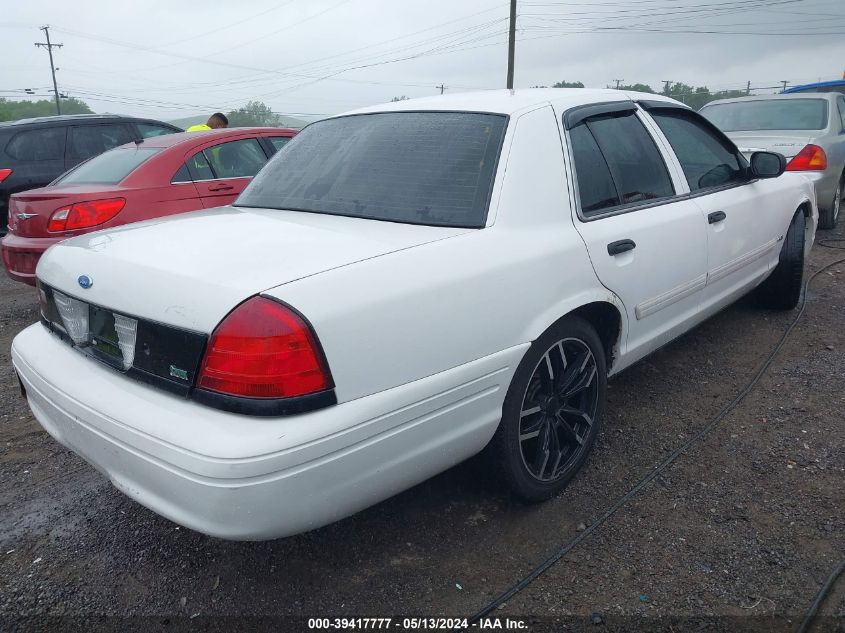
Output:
x=151 y=178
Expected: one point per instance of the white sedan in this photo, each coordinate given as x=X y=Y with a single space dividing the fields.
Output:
x=397 y=289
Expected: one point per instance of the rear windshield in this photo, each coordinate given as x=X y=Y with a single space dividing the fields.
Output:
x=433 y=168
x=774 y=114
x=110 y=167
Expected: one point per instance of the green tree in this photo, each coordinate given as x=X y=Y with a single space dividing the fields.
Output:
x=568 y=84
x=254 y=114
x=14 y=110
x=698 y=96
x=636 y=88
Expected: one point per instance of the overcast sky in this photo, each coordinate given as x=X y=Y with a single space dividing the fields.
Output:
x=175 y=58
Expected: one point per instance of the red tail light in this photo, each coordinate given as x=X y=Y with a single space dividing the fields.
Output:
x=263 y=350
x=83 y=215
x=5 y=173
x=811 y=158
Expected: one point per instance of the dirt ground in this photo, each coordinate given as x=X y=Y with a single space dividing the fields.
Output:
x=739 y=533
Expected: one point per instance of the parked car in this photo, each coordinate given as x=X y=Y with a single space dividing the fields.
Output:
x=397 y=289
x=837 y=85
x=137 y=181
x=33 y=152
x=809 y=129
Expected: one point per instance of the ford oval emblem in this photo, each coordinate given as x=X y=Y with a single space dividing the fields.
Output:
x=85 y=281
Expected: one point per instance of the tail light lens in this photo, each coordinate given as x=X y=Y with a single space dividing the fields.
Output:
x=83 y=215
x=263 y=350
x=5 y=173
x=811 y=158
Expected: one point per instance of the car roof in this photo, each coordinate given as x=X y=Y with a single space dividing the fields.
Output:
x=74 y=118
x=827 y=96
x=512 y=101
x=818 y=84
x=190 y=138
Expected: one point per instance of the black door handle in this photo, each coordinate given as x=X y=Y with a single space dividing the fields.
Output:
x=620 y=246
x=716 y=216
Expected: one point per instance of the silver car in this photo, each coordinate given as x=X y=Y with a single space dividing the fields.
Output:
x=807 y=128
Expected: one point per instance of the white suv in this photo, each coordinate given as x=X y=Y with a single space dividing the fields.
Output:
x=397 y=289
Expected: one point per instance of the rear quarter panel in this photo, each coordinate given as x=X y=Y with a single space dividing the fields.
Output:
x=394 y=319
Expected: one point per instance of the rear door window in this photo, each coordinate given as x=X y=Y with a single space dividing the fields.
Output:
x=236 y=159
x=110 y=167
x=36 y=145
x=595 y=184
x=278 y=142
x=617 y=164
x=149 y=130
x=198 y=167
x=183 y=175
x=707 y=159
x=90 y=140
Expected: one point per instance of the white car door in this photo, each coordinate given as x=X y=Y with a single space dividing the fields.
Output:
x=647 y=244
x=743 y=216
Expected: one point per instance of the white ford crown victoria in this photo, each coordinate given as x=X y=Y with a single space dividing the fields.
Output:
x=397 y=289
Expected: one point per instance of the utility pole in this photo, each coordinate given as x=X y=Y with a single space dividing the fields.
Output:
x=442 y=88
x=748 y=88
x=784 y=84
x=618 y=81
x=666 y=84
x=50 y=48
x=511 y=44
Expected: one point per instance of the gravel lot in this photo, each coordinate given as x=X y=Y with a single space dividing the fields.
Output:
x=740 y=533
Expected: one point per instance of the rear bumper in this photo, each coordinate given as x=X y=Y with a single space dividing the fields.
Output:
x=246 y=478
x=21 y=255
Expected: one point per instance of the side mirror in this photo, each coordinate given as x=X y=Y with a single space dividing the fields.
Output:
x=767 y=164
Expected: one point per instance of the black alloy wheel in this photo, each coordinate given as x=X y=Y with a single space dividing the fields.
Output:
x=552 y=410
x=558 y=409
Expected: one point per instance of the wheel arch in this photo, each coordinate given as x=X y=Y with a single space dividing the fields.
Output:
x=606 y=314
x=806 y=207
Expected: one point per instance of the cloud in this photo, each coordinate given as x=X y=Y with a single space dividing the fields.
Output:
x=171 y=59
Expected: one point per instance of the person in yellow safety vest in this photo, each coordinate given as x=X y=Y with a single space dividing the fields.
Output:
x=216 y=121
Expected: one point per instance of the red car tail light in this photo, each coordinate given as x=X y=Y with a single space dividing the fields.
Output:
x=83 y=215
x=811 y=158
x=5 y=173
x=263 y=349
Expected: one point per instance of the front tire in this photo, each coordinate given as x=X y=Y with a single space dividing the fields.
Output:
x=552 y=411
x=782 y=289
x=828 y=218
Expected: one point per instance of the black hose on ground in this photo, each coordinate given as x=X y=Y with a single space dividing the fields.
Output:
x=575 y=541
x=811 y=613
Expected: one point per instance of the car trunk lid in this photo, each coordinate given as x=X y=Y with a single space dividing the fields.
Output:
x=189 y=271
x=30 y=211
x=785 y=142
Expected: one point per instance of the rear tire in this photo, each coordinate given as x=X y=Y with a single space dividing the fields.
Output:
x=782 y=289
x=828 y=218
x=552 y=411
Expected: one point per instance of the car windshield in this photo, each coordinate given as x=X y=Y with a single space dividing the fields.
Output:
x=432 y=168
x=108 y=168
x=769 y=114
